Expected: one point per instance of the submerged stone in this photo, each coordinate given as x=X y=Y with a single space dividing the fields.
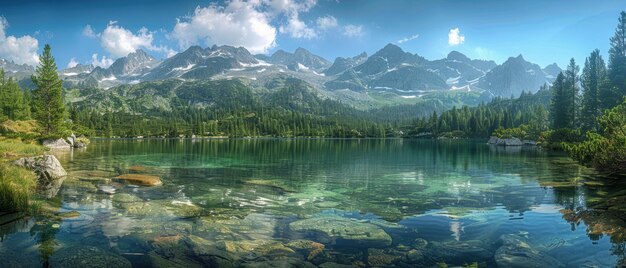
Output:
x=516 y=252
x=140 y=179
x=344 y=228
x=381 y=257
x=87 y=256
x=126 y=198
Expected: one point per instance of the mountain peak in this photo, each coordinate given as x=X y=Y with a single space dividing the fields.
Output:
x=392 y=48
x=455 y=55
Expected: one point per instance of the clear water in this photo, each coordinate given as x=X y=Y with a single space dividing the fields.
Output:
x=293 y=203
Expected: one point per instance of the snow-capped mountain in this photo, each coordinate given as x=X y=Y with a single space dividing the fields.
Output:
x=341 y=64
x=390 y=70
x=18 y=71
x=552 y=71
x=513 y=77
x=300 y=59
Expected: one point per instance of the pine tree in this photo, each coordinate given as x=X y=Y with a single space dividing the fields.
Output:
x=13 y=103
x=571 y=94
x=613 y=92
x=558 y=107
x=592 y=77
x=47 y=99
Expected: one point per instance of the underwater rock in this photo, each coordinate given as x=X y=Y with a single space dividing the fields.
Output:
x=344 y=228
x=286 y=263
x=185 y=210
x=382 y=257
x=458 y=251
x=305 y=244
x=140 y=179
x=87 y=256
x=516 y=252
x=258 y=247
x=273 y=184
x=47 y=167
x=419 y=243
x=107 y=189
x=126 y=198
x=335 y=265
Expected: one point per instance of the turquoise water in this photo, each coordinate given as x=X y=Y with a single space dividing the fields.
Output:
x=328 y=203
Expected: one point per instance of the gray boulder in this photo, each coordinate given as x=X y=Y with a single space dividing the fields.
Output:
x=47 y=167
x=493 y=140
x=56 y=144
x=516 y=252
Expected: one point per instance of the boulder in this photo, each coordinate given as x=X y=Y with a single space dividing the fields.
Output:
x=516 y=252
x=493 y=140
x=509 y=142
x=337 y=227
x=56 y=144
x=47 y=167
x=513 y=142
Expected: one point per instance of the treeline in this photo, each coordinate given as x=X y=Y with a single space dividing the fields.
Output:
x=220 y=108
x=529 y=111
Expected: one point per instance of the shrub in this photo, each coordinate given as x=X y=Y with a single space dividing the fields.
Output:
x=606 y=151
x=556 y=139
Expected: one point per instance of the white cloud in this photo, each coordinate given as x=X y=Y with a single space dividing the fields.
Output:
x=351 y=30
x=455 y=37
x=18 y=49
x=119 y=42
x=297 y=28
x=89 y=32
x=407 y=39
x=238 y=23
x=103 y=62
x=72 y=63
x=326 y=22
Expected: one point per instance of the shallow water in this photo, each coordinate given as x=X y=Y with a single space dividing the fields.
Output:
x=323 y=202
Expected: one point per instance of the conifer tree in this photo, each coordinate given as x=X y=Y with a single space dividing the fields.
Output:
x=571 y=94
x=613 y=92
x=13 y=103
x=592 y=78
x=558 y=107
x=47 y=97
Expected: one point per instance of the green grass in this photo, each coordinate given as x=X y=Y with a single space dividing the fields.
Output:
x=14 y=148
x=17 y=185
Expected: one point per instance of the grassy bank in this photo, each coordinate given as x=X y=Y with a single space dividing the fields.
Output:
x=17 y=184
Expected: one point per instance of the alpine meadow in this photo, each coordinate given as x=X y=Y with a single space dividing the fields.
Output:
x=312 y=133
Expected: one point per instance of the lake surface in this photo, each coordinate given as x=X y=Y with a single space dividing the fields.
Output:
x=328 y=203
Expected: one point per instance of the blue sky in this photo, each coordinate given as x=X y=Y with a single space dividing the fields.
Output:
x=543 y=31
